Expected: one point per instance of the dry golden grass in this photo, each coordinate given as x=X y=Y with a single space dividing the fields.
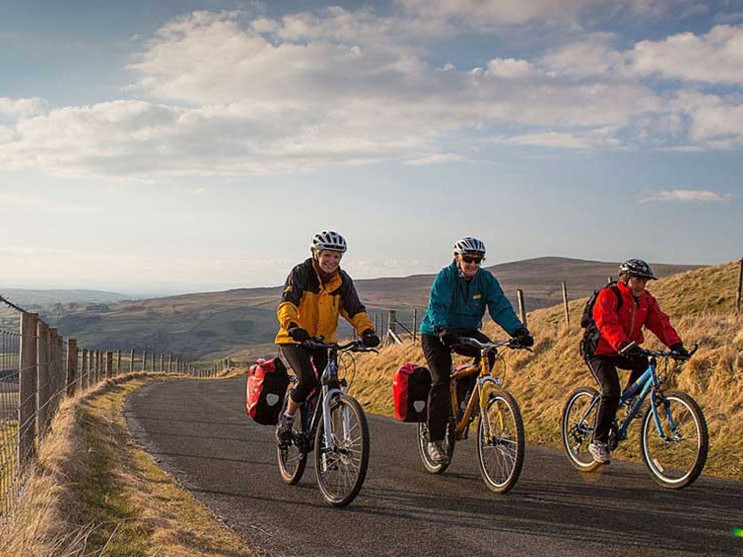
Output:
x=700 y=303
x=94 y=491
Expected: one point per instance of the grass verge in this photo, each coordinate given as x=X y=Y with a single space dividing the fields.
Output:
x=95 y=491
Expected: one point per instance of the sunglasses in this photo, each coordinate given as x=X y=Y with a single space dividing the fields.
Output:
x=472 y=259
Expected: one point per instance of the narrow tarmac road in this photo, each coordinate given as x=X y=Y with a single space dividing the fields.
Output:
x=198 y=430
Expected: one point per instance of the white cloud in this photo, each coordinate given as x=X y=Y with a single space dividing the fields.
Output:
x=489 y=13
x=229 y=96
x=591 y=56
x=30 y=202
x=715 y=57
x=688 y=196
x=14 y=108
x=713 y=121
x=436 y=158
x=510 y=68
x=547 y=139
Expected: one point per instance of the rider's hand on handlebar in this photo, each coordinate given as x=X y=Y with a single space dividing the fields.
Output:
x=297 y=333
x=679 y=352
x=370 y=339
x=523 y=337
x=631 y=350
x=447 y=337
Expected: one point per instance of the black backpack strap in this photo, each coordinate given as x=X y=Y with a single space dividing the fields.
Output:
x=618 y=292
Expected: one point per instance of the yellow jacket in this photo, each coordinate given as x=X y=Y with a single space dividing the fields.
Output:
x=316 y=307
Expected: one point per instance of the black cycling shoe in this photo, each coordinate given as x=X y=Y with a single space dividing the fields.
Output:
x=285 y=431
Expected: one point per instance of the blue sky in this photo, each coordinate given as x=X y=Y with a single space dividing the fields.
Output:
x=177 y=145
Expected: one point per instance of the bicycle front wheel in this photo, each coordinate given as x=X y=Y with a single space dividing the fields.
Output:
x=675 y=454
x=293 y=458
x=341 y=469
x=500 y=442
x=578 y=418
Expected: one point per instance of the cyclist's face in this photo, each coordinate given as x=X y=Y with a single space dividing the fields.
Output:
x=637 y=285
x=329 y=260
x=469 y=269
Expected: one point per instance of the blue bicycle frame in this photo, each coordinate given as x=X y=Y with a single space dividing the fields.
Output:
x=639 y=390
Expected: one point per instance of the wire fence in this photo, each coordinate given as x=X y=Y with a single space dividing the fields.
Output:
x=38 y=369
x=10 y=347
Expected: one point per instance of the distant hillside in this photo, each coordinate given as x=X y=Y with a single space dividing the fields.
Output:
x=30 y=299
x=539 y=278
x=700 y=303
x=229 y=322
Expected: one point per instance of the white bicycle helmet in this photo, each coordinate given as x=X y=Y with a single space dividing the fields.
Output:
x=327 y=239
x=470 y=244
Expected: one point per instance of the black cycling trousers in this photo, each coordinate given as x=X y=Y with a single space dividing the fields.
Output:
x=439 y=362
x=604 y=369
x=301 y=360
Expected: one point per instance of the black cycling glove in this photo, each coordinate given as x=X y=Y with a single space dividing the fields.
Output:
x=679 y=351
x=631 y=351
x=369 y=338
x=447 y=337
x=523 y=336
x=297 y=333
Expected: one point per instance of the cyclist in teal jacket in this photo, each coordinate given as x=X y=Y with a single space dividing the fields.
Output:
x=459 y=297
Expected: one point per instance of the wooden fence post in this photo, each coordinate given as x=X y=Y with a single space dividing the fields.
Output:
x=118 y=362
x=565 y=303
x=131 y=361
x=43 y=379
x=522 y=308
x=162 y=362
x=144 y=360
x=71 y=366
x=415 y=324
x=54 y=369
x=109 y=364
x=27 y=389
x=84 y=369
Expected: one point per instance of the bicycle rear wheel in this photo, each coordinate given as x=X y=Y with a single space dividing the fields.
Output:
x=431 y=466
x=341 y=470
x=676 y=459
x=577 y=427
x=293 y=458
x=500 y=446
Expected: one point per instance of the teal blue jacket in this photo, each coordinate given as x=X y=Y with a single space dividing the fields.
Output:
x=459 y=305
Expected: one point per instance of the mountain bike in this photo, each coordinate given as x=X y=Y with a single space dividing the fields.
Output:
x=334 y=423
x=673 y=437
x=500 y=429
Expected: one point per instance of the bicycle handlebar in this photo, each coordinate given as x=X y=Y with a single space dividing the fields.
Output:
x=669 y=354
x=512 y=343
x=353 y=346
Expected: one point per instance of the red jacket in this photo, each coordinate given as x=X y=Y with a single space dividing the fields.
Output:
x=620 y=327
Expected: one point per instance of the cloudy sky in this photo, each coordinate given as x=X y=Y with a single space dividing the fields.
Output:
x=175 y=145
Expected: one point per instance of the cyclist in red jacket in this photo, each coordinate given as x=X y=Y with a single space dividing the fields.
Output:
x=620 y=326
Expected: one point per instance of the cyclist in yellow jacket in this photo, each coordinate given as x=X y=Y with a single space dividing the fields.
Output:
x=316 y=292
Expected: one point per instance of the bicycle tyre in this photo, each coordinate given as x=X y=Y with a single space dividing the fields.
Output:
x=293 y=459
x=577 y=433
x=502 y=459
x=341 y=472
x=675 y=463
x=430 y=465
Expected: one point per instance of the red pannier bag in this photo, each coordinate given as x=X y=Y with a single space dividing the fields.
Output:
x=410 y=386
x=267 y=383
